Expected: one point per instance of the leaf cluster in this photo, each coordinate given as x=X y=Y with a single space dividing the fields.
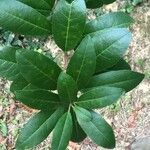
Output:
x=96 y=76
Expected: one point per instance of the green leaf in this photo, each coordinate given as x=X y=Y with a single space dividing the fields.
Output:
x=18 y=84
x=30 y=87
x=43 y=6
x=95 y=127
x=38 y=69
x=68 y=23
x=62 y=132
x=8 y=65
x=99 y=97
x=67 y=88
x=124 y=79
x=82 y=64
x=120 y=65
x=78 y=135
x=110 y=45
x=38 y=128
x=110 y=20
x=23 y=19
x=97 y=3
x=38 y=99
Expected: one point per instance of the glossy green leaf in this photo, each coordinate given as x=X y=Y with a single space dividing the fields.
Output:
x=82 y=64
x=30 y=87
x=78 y=135
x=8 y=65
x=38 y=99
x=68 y=23
x=67 y=88
x=43 y=6
x=120 y=65
x=97 y=3
x=110 y=20
x=18 y=84
x=99 y=97
x=124 y=79
x=38 y=128
x=110 y=45
x=38 y=69
x=23 y=19
x=95 y=127
x=62 y=132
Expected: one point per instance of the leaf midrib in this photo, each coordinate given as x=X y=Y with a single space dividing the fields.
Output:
x=37 y=99
x=68 y=93
x=63 y=131
x=119 y=82
x=106 y=28
x=94 y=99
x=34 y=25
x=48 y=102
x=106 y=49
x=81 y=64
x=85 y=122
x=46 y=2
x=1 y=59
x=37 y=68
x=68 y=25
x=100 y=131
x=35 y=131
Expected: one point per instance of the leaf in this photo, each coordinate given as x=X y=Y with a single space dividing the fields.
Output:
x=38 y=69
x=30 y=87
x=8 y=65
x=43 y=6
x=110 y=45
x=38 y=99
x=18 y=84
x=62 y=132
x=38 y=128
x=99 y=97
x=67 y=88
x=82 y=64
x=21 y=84
x=110 y=20
x=23 y=19
x=78 y=135
x=124 y=79
x=97 y=3
x=68 y=23
x=95 y=127
x=120 y=65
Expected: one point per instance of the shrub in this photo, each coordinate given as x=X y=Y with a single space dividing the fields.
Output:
x=96 y=76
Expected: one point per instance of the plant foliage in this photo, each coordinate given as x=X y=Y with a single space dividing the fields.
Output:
x=96 y=76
